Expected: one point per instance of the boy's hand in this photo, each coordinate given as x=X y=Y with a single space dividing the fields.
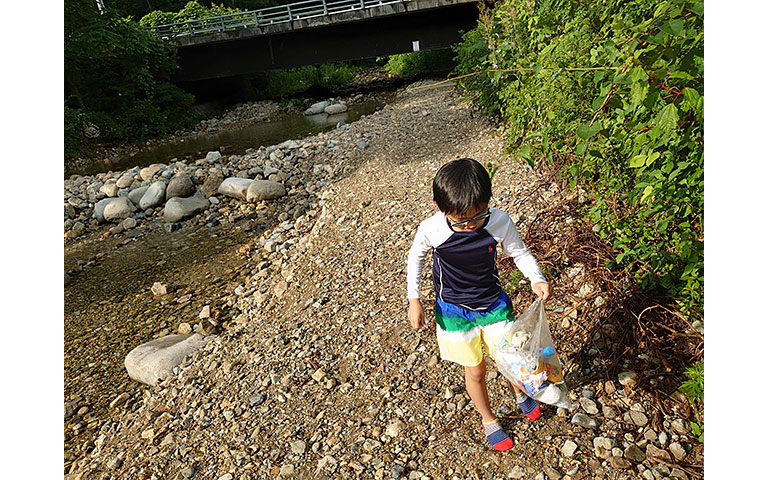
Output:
x=415 y=313
x=541 y=289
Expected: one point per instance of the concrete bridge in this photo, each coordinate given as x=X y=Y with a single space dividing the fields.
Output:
x=221 y=47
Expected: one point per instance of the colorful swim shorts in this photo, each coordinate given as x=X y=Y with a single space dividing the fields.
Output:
x=461 y=333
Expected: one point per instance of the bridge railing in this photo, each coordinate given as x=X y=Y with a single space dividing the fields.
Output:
x=264 y=16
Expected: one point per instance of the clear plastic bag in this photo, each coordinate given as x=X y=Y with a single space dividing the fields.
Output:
x=526 y=356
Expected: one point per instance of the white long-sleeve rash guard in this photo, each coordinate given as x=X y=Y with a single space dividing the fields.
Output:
x=464 y=263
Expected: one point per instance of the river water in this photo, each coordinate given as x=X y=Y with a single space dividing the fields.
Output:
x=232 y=141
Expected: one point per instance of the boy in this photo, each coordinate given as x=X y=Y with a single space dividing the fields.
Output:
x=471 y=308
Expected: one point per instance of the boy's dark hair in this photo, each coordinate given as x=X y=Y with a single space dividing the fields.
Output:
x=460 y=185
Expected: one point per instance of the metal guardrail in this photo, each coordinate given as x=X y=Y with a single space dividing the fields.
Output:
x=265 y=16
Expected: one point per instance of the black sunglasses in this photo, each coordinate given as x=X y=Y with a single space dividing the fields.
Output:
x=473 y=219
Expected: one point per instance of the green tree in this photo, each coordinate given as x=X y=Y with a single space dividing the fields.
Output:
x=117 y=76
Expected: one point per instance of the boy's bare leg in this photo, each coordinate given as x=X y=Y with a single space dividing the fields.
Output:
x=474 y=378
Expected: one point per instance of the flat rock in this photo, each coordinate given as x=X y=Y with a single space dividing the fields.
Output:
x=98 y=209
x=264 y=190
x=638 y=418
x=109 y=189
x=148 y=172
x=136 y=194
x=212 y=182
x=628 y=378
x=584 y=420
x=335 y=108
x=118 y=209
x=159 y=288
x=155 y=360
x=235 y=187
x=153 y=196
x=653 y=451
x=125 y=180
x=178 y=208
x=569 y=448
x=180 y=186
x=316 y=108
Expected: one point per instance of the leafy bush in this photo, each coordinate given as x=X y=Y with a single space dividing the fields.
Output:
x=75 y=121
x=191 y=11
x=158 y=17
x=417 y=62
x=117 y=76
x=693 y=388
x=283 y=83
x=616 y=89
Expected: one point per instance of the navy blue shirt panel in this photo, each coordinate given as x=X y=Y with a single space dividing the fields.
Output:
x=464 y=270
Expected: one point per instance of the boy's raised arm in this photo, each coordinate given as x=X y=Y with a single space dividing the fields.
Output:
x=513 y=246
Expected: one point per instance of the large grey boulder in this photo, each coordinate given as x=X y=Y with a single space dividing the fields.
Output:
x=179 y=208
x=316 y=108
x=148 y=172
x=235 y=187
x=98 y=209
x=118 y=209
x=264 y=190
x=125 y=180
x=154 y=196
x=136 y=194
x=109 y=189
x=180 y=186
x=155 y=360
x=335 y=108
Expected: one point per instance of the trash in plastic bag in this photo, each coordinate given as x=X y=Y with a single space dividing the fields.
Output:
x=526 y=356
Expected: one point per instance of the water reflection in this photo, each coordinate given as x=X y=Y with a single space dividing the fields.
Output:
x=234 y=141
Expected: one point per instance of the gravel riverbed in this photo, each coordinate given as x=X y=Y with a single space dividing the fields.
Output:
x=311 y=369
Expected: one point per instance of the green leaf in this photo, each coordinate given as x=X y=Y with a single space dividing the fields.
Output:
x=638 y=92
x=646 y=193
x=581 y=148
x=637 y=73
x=691 y=97
x=637 y=161
x=673 y=27
x=652 y=157
x=585 y=131
x=668 y=117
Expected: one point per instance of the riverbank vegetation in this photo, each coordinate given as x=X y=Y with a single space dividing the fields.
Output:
x=612 y=94
x=116 y=81
x=117 y=74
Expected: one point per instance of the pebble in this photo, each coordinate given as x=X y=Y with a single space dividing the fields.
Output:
x=589 y=406
x=584 y=420
x=299 y=447
x=119 y=400
x=628 y=378
x=569 y=448
x=638 y=418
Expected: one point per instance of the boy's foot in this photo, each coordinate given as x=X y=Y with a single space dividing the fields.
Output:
x=529 y=406
x=497 y=437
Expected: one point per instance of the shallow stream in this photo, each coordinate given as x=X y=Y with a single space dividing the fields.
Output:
x=231 y=141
